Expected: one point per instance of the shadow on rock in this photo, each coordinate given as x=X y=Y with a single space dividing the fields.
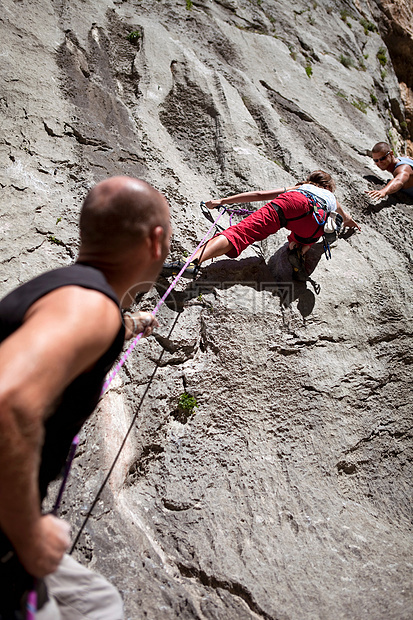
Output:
x=281 y=270
x=222 y=274
x=276 y=277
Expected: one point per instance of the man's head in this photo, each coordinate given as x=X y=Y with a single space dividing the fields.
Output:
x=382 y=155
x=125 y=221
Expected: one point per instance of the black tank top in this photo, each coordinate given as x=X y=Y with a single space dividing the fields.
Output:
x=81 y=396
x=75 y=405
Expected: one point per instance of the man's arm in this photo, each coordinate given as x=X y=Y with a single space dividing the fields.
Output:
x=265 y=195
x=401 y=176
x=63 y=334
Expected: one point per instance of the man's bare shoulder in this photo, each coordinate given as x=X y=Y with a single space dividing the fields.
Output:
x=63 y=335
x=72 y=302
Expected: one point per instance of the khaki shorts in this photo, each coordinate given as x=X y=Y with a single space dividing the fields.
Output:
x=76 y=593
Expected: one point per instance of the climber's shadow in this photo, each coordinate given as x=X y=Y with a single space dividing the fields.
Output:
x=222 y=274
x=281 y=269
x=275 y=277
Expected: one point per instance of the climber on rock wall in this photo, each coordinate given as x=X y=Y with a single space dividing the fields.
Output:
x=304 y=209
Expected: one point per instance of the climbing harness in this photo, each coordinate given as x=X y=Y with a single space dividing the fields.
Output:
x=330 y=221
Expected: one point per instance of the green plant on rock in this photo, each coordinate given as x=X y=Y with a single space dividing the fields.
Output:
x=344 y=14
x=293 y=53
x=55 y=240
x=342 y=95
x=133 y=37
x=383 y=74
x=187 y=403
x=373 y=98
x=360 y=105
x=189 y=5
x=381 y=56
x=368 y=26
x=346 y=61
x=309 y=70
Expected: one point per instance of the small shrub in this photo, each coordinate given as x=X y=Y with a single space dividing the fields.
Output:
x=346 y=61
x=373 y=98
x=360 y=105
x=189 y=5
x=383 y=74
x=344 y=14
x=309 y=70
x=187 y=403
x=55 y=240
x=368 y=26
x=59 y=219
x=362 y=66
x=185 y=408
x=381 y=56
x=342 y=95
x=293 y=53
x=133 y=37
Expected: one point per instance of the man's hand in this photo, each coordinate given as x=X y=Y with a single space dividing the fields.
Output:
x=140 y=322
x=43 y=550
x=376 y=194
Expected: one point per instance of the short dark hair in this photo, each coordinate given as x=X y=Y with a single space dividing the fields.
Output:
x=117 y=215
x=381 y=146
x=322 y=179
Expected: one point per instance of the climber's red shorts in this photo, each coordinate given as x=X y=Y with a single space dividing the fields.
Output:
x=264 y=222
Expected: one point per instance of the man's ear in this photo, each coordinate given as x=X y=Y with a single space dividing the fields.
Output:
x=156 y=242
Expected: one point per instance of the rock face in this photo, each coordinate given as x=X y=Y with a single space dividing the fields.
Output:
x=284 y=495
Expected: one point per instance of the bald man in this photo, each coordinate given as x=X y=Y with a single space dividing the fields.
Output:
x=400 y=167
x=60 y=334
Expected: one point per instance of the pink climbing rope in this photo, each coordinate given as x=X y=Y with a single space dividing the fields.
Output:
x=156 y=309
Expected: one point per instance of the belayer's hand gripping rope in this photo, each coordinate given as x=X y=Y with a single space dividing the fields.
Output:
x=31 y=604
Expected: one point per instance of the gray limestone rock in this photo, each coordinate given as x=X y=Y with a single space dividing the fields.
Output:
x=285 y=493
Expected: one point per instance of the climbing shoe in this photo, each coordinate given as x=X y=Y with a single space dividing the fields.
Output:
x=297 y=261
x=172 y=269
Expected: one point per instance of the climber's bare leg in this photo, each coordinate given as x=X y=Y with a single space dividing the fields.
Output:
x=217 y=246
